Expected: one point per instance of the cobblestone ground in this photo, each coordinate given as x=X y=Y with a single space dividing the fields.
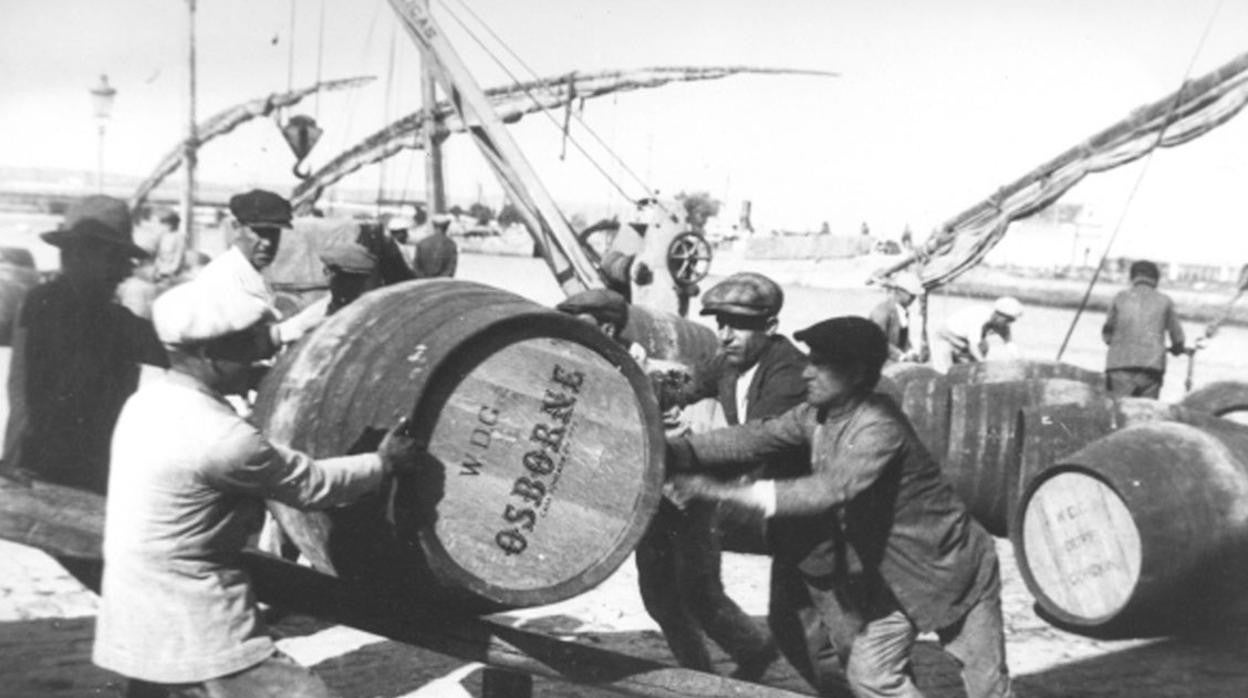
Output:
x=46 y=626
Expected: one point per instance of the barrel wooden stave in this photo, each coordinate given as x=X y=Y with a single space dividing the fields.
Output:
x=925 y=402
x=982 y=458
x=1180 y=554
x=1006 y=371
x=477 y=370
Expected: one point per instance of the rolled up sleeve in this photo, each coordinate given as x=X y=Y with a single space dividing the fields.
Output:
x=748 y=443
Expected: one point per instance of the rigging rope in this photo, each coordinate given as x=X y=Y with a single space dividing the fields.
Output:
x=1178 y=98
x=554 y=120
x=320 y=58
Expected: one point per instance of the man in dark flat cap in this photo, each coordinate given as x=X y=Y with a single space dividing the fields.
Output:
x=76 y=352
x=755 y=375
x=883 y=547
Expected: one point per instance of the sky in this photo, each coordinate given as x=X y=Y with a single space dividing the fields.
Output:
x=937 y=103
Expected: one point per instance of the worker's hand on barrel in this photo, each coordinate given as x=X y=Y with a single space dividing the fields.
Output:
x=678 y=456
x=400 y=451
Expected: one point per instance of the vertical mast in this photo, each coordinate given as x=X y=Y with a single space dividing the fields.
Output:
x=435 y=191
x=192 y=138
x=563 y=253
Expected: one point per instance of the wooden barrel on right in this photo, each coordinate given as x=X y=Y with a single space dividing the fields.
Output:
x=543 y=435
x=982 y=457
x=1144 y=530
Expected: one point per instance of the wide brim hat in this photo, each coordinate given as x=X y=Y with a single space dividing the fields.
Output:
x=98 y=217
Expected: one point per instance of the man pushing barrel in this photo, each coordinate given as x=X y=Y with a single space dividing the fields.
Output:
x=177 y=614
x=882 y=545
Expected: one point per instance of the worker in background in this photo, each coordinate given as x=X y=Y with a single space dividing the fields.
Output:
x=755 y=375
x=178 y=615
x=76 y=352
x=259 y=219
x=1135 y=329
x=76 y=358
x=893 y=315
x=965 y=335
x=399 y=229
x=884 y=548
x=169 y=260
x=436 y=254
x=352 y=272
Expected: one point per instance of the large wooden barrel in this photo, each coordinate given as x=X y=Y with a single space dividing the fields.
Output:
x=982 y=458
x=898 y=374
x=547 y=434
x=670 y=337
x=1048 y=433
x=925 y=401
x=1003 y=371
x=1142 y=531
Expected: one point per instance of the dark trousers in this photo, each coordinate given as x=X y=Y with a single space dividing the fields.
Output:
x=678 y=571
x=278 y=676
x=1134 y=382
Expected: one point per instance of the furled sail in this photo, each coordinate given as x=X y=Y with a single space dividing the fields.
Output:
x=228 y=119
x=510 y=102
x=1198 y=107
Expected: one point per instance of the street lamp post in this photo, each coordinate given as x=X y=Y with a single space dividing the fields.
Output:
x=102 y=96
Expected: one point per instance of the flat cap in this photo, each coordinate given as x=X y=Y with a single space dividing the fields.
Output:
x=350 y=258
x=846 y=339
x=193 y=313
x=602 y=304
x=744 y=293
x=261 y=208
x=1008 y=306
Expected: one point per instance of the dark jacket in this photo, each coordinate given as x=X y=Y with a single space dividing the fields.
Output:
x=80 y=361
x=874 y=506
x=436 y=255
x=777 y=386
x=1136 y=326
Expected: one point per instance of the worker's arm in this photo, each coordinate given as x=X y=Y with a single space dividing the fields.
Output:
x=17 y=400
x=745 y=444
x=249 y=464
x=1111 y=322
x=1178 y=340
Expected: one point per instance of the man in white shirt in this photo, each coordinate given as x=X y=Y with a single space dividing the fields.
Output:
x=177 y=613
x=259 y=219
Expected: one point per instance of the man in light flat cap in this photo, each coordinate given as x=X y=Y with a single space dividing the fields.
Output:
x=436 y=253
x=177 y=614
x=259 y=218
x=76 y=352
x=756 y=375
x=352 y=271
x=882 y=547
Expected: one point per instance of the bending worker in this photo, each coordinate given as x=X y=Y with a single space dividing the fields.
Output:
x=178 y=615
x=964 y=338
x=884 y=547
